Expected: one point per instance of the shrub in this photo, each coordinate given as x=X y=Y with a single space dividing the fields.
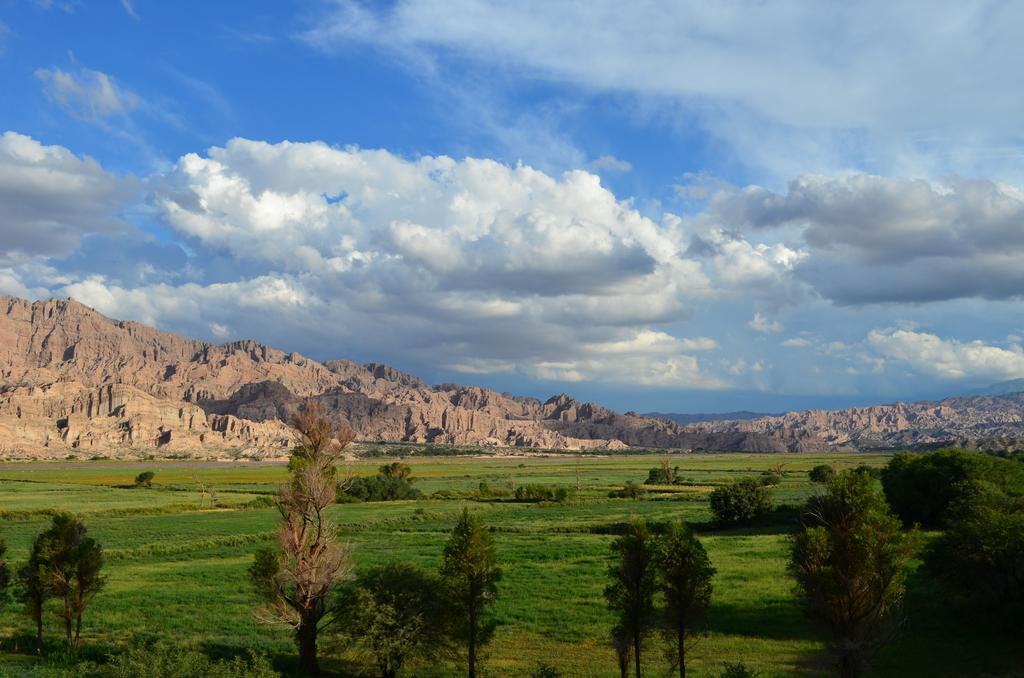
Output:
x=980 y=557
x=392 y=482
x=534 y=493
x=740 y=502
x=922 y=487
x=769 y=478
x=822 y=473
x=165 y=659
x=144 y=479
x=663 y=474
x=629 y=491
x=869 y=471
x=738 y=670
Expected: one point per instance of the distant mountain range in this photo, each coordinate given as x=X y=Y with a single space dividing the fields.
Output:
x=75 y=382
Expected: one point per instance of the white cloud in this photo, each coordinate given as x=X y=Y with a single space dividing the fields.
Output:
x=52 y=197
x=948 y=358
x=767 y=78
x=760 y=323
x=796 y=342
x=87 y=94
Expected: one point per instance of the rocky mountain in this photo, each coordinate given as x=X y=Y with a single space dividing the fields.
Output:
x=684 y=419
x=994 y=422
x=74 y=381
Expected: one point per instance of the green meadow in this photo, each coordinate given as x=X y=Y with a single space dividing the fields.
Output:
x=178 y=553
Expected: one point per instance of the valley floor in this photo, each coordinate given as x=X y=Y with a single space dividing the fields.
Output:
x=178 y=553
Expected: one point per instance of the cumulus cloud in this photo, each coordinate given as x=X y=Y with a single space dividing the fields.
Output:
x=51 y=197
x=880 y=239
x=87 y=94
x=948 y=358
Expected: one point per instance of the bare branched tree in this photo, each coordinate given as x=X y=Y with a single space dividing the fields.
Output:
x=296 y=577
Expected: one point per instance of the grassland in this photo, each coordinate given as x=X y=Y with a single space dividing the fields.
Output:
x=178 y=555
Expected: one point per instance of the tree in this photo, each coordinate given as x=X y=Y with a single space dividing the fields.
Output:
x=740 y=502
x=822 y=473
x=622 y=644
x=395 y=469
x=68 y=565
x=396 y=612
x=921 y=487
x=979 y=559
x=684 y=578
x=5 y=574
x=630 y=594
x=33 y=592
x=470 y=575
x=663 y=474
x=295 y=578
x=848 y=560
x=145 y=479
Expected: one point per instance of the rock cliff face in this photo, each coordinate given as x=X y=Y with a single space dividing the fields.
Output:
x=74 y=381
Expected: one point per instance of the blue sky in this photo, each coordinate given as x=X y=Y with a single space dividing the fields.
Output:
x=660 y=206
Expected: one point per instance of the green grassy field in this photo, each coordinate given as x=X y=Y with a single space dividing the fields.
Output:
x=178 y=558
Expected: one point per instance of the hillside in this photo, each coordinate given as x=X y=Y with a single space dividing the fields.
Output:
x=72 y=379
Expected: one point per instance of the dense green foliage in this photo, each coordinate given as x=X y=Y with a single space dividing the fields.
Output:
x=822 y=473
x=393 y=482
x=5 y=574
x=533 y=492
x=166 y=660
x=979 y=559
x=664 y=474
x=395 y=613
x=740 y=502
x=922 y=487
x=470 y=575
x=630 y=490
x=849 y=561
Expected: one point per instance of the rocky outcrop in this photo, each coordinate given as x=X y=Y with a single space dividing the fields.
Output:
x=74 y=380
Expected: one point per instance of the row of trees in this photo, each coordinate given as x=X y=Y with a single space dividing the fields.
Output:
x=63 y=565
x=395 y=612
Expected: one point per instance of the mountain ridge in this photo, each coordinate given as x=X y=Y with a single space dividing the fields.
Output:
x=74 y=381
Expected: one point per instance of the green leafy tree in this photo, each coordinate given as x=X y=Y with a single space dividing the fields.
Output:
x=145 y=479
x=297 y=577
x=922 y=487
x=740 y=502
x=848 y=560
x=822 y=473
x=395 y=469
x=979 y=559
x=684 y=579
x=470 y=575
x=396 y=613
x=630 y=594
x=70 y=566
x=33 y=590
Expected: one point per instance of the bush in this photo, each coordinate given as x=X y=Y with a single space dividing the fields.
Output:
x=393 y=482
x=922 y=487
x=144 y=479
x=740 y=502
x=822 y=473
x=738 y=670
x=535 y=493
x=980 y=557
x=629 y=491
x=663 y=474
x=165 y=659
x=869 y=471
x=769 y=478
